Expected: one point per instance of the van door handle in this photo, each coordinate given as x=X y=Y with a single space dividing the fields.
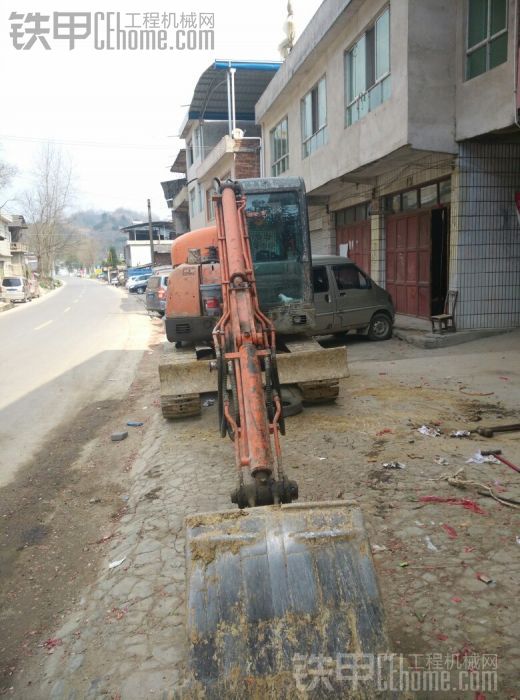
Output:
x=327 y=298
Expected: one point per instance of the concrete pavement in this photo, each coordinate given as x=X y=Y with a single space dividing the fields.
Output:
x=125 y=637
x=56 y=351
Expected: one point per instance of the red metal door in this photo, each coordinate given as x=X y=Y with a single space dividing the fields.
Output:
x=408 y=262
x=358 y=237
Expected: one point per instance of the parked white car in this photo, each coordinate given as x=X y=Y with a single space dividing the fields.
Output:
x=15 y=288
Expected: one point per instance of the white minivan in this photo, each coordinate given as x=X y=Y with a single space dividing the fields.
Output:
x=15 y=288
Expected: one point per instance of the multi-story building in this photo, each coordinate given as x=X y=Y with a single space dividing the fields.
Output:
x=137 y=248
x=5 y=245
x=222 y=139
x=172 y=189
x=19 y=249
x=402 y=117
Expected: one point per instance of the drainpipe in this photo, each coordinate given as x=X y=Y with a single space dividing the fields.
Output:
x=516 y=59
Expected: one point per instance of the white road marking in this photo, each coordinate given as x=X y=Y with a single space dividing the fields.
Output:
x=67 y=309
x=47 y=323
x=75 y=301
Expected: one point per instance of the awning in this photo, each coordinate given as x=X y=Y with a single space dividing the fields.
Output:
x=209 y=100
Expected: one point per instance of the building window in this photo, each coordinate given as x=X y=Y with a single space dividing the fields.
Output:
x=433 y=195
x=487 y=36
x=193 y=202
x=352 y=215
x=314 y=118
x=367 y=70
x=195 y=147
x=280 y=148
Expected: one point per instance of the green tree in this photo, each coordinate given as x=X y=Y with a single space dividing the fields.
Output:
x=112 y=259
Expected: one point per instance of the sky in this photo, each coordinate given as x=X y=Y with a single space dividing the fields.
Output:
x=115 y=113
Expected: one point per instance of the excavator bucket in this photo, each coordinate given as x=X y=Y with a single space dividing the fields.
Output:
x=281 y=602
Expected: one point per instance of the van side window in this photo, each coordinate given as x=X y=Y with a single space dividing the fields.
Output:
x=320 y=280
x=347 y=277
x=350 y=277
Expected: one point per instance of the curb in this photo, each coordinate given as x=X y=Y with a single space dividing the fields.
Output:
x=431 y=341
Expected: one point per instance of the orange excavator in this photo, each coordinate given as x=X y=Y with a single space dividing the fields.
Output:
x=280 y=247
x=276 y=589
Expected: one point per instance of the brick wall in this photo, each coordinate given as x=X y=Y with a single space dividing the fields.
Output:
x=247 y=163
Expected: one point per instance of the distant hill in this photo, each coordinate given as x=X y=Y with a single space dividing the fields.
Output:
x=104 y=226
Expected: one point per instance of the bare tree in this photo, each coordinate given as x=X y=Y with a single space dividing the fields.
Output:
x=7 y=172
x=46 y=204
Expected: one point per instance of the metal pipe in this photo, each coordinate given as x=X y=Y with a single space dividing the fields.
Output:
x=228 y=78
x=150 y=232
x=233 y=120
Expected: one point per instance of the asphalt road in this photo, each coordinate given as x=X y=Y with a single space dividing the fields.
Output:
x=73 y=346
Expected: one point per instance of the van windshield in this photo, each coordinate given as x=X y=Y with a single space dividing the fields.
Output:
x=12 y=282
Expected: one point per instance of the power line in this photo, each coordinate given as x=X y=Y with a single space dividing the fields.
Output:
x=93 y=144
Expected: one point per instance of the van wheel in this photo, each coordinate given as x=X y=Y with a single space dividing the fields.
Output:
x=380 y=327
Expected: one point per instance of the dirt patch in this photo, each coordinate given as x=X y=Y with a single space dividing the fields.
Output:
x=56 y=515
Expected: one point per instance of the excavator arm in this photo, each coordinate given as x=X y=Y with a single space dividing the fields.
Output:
x=246 y=359
x=275 y=584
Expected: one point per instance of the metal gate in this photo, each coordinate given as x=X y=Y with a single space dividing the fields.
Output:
x=408 y=262
x=358 y=238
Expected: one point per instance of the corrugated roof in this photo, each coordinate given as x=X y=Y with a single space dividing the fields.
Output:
x=179 y=164
x=209 y=100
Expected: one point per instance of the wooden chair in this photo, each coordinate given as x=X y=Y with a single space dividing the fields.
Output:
x=446 y=321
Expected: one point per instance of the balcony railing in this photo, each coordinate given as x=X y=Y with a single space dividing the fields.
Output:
x=19 y=247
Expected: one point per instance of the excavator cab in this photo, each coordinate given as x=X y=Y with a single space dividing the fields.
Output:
x=278 y=227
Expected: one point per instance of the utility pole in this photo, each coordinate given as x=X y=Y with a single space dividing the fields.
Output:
x=150 y=231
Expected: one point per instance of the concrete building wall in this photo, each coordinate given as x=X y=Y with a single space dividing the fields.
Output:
x=431 y=74
x=485 y=236
x=137 y=253
x=375 y=135
x=488 y=101
x=323 y=230
x=420 y=111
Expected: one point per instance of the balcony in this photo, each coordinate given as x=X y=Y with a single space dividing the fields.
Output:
x=19 y=247
x=227 y=145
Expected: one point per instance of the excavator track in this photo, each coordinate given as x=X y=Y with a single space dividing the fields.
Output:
x=319 y=392
x=173 y=407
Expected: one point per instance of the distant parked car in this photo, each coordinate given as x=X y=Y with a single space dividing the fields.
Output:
x=156 y=291
x=135 y=278
x=15 y=288
x=138 y=285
